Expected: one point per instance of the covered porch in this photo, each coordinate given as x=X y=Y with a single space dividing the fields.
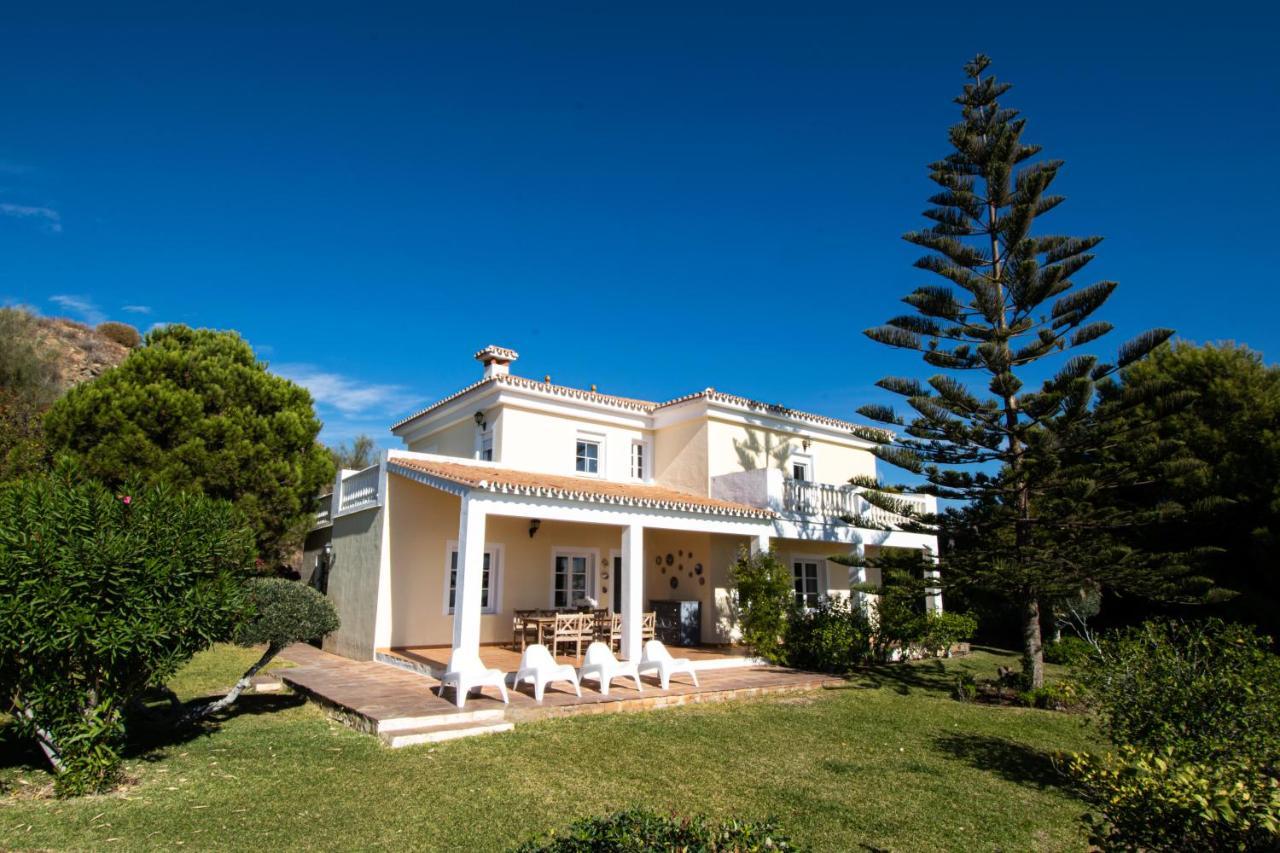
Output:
x=433 y=660
x=463 y=558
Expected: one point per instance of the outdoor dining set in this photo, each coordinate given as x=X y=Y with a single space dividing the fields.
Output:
x=599 y=630
x=561 y=629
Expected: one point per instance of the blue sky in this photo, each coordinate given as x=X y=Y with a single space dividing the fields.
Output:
x=653 y=200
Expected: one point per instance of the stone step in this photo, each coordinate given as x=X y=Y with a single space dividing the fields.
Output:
x=436 y=734
x=436 y=721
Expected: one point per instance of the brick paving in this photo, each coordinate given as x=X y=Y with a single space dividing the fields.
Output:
x=367 y=694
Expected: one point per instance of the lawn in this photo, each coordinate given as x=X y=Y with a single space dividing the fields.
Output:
x=890 y=762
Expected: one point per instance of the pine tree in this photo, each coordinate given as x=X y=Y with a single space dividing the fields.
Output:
x=1022 y=461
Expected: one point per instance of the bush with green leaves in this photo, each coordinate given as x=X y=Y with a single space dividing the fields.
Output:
x=941 y=631
x=637 y=830
x=196 y=408
x=284 y=612
x=104 y=593
x=765 y=597
x=1148 y=800
x=1068 y=651
x=1194 y=708
x=1209 y=690
x=121 y=333
x=834 y=636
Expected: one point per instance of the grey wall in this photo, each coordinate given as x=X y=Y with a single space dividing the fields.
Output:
x=353 y=582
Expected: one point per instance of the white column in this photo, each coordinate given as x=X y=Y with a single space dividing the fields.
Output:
x=759 y=544
x=466 y=599
x=632 y=590
x=933 y=594
x=858 y=575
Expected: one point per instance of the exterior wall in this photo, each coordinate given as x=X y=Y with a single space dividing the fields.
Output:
x=312 y=549
x=353 y=582
x=680 y=456
x=834 y=580
x=541 y=441
x=740 y=447
x=457 y=439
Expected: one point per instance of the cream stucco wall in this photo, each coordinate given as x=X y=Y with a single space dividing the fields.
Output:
x=542 y=441
x=457 y=439
x=740 y=447
x=680 y=456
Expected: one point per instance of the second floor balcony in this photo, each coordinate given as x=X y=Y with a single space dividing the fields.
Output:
x=772 y=489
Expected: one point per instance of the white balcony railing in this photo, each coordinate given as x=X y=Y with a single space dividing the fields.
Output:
x=356 y=490
x=771 y=489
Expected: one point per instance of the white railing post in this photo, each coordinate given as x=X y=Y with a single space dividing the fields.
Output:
x=470 y=576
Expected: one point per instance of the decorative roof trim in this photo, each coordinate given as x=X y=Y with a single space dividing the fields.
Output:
x=425 y=471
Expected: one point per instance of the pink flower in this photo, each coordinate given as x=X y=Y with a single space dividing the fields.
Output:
x=126 y=499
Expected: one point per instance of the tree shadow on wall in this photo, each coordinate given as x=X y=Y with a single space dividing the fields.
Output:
x=758 y=445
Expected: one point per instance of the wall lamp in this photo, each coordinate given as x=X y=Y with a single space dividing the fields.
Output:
x=534 y=524
x=479 y=418
x=803 y=442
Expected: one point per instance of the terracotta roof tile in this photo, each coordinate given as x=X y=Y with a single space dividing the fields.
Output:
x=496 y=479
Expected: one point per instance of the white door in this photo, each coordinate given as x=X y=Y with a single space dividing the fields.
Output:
x=572 y=577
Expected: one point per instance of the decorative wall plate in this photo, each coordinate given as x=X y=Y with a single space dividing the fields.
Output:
x=698 y=568
x=702 y=581
x=680 y=568
x=675 y=581
x=663 y=570
x=670 y=559
x=657 y=560
x=680 y=553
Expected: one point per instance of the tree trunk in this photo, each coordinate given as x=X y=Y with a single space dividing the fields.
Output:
x=45 y=740
x=1032 y=647
x=213 y=707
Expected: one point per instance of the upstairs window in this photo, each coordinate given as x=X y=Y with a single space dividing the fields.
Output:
x=486 y=446
x=638 y=460
x=587 y=459
x=800 y=471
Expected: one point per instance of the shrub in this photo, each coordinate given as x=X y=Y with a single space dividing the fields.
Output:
x=1051 y=697
x=764 y=598
x=966 y=687
x=121 y=333
x=1071 y=651
x=1195 y=711
x=284 y=612
x=835 y=636
x=1207 y=690
x=642 y=830
x=1147 y=800
x=102 y=595
x=941 y=631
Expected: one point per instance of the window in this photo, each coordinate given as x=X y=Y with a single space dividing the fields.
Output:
x=488 y=580
x=638 y=460
x=800 y=471
x=587 y=459
x=572 y=578
x=486 y=445
x=805 y=574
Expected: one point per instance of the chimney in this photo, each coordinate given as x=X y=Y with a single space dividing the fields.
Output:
x=496 y=360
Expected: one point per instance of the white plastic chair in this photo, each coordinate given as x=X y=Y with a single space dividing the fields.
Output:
x=537 y=665
x=466 y=673
x=656 y=657
x=601 y=665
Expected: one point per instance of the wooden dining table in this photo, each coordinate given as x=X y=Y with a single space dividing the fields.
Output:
x=544 y=624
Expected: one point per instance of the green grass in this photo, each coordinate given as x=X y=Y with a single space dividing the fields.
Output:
x=888 y=763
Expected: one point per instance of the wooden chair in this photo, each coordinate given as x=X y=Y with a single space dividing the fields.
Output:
x=615 y=632
x=649 y=626
x=600 y=622
x=571 y=629
x=522 y=630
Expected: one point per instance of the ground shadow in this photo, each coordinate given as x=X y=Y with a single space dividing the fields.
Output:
x=930 y=676
x=150 y=733
x=1008 y=759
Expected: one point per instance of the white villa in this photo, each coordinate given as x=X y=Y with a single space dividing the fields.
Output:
x=517 y=494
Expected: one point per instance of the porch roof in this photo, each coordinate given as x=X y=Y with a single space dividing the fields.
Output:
x=510 y=481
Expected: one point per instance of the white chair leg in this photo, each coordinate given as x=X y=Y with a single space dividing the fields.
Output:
x=502 y=688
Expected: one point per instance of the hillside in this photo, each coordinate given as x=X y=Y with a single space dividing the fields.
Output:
x=81 y=352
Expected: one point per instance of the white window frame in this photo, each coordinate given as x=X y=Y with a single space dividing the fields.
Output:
x=497 y=561
x=592 y=556
x=590 y=438
x=646 y=455
x=805 y=459
x=820 y=578
x=486 y=444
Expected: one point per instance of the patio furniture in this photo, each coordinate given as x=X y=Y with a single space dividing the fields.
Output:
x=537 y=665
x=657 y=658
x=466 y=673
x=615 y=631
x=648 y=625
x=522 y=628
x=679 y=623
x=601 y=665
x=600 y=623
x=571 y=629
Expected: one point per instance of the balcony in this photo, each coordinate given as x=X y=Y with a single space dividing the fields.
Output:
x=770 y=488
